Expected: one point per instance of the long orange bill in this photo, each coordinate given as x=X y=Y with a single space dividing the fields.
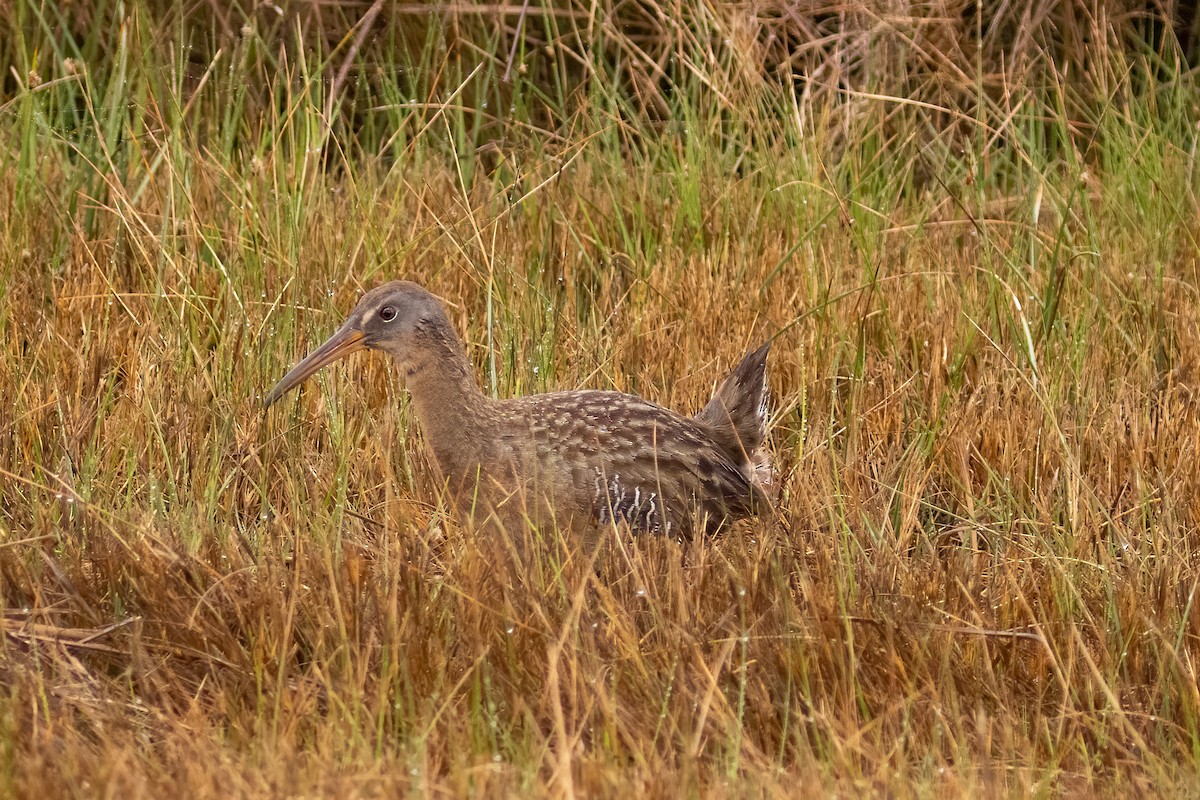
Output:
x=346 y=341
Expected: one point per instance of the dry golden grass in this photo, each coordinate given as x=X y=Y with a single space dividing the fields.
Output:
x=982 y=576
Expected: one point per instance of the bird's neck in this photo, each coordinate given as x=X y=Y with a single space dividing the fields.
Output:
x=451 y=409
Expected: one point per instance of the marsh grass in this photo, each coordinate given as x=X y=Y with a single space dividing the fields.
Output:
x=982 y=276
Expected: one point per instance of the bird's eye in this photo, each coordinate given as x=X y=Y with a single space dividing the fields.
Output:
x=388 y=313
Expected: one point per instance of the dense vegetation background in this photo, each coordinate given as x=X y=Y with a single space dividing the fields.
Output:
x=972 y=226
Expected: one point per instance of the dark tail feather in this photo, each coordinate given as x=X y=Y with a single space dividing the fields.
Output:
x=736 y=416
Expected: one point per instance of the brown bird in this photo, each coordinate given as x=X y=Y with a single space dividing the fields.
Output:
x=582 y=460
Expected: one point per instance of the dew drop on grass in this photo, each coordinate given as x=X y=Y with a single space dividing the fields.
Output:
x=742 y=591
x=509 y=630
x=641 y=592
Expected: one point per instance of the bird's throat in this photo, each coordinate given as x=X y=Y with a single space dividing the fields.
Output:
x=450 y=407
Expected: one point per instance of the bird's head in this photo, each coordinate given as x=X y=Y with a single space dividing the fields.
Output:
x=395 y=317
